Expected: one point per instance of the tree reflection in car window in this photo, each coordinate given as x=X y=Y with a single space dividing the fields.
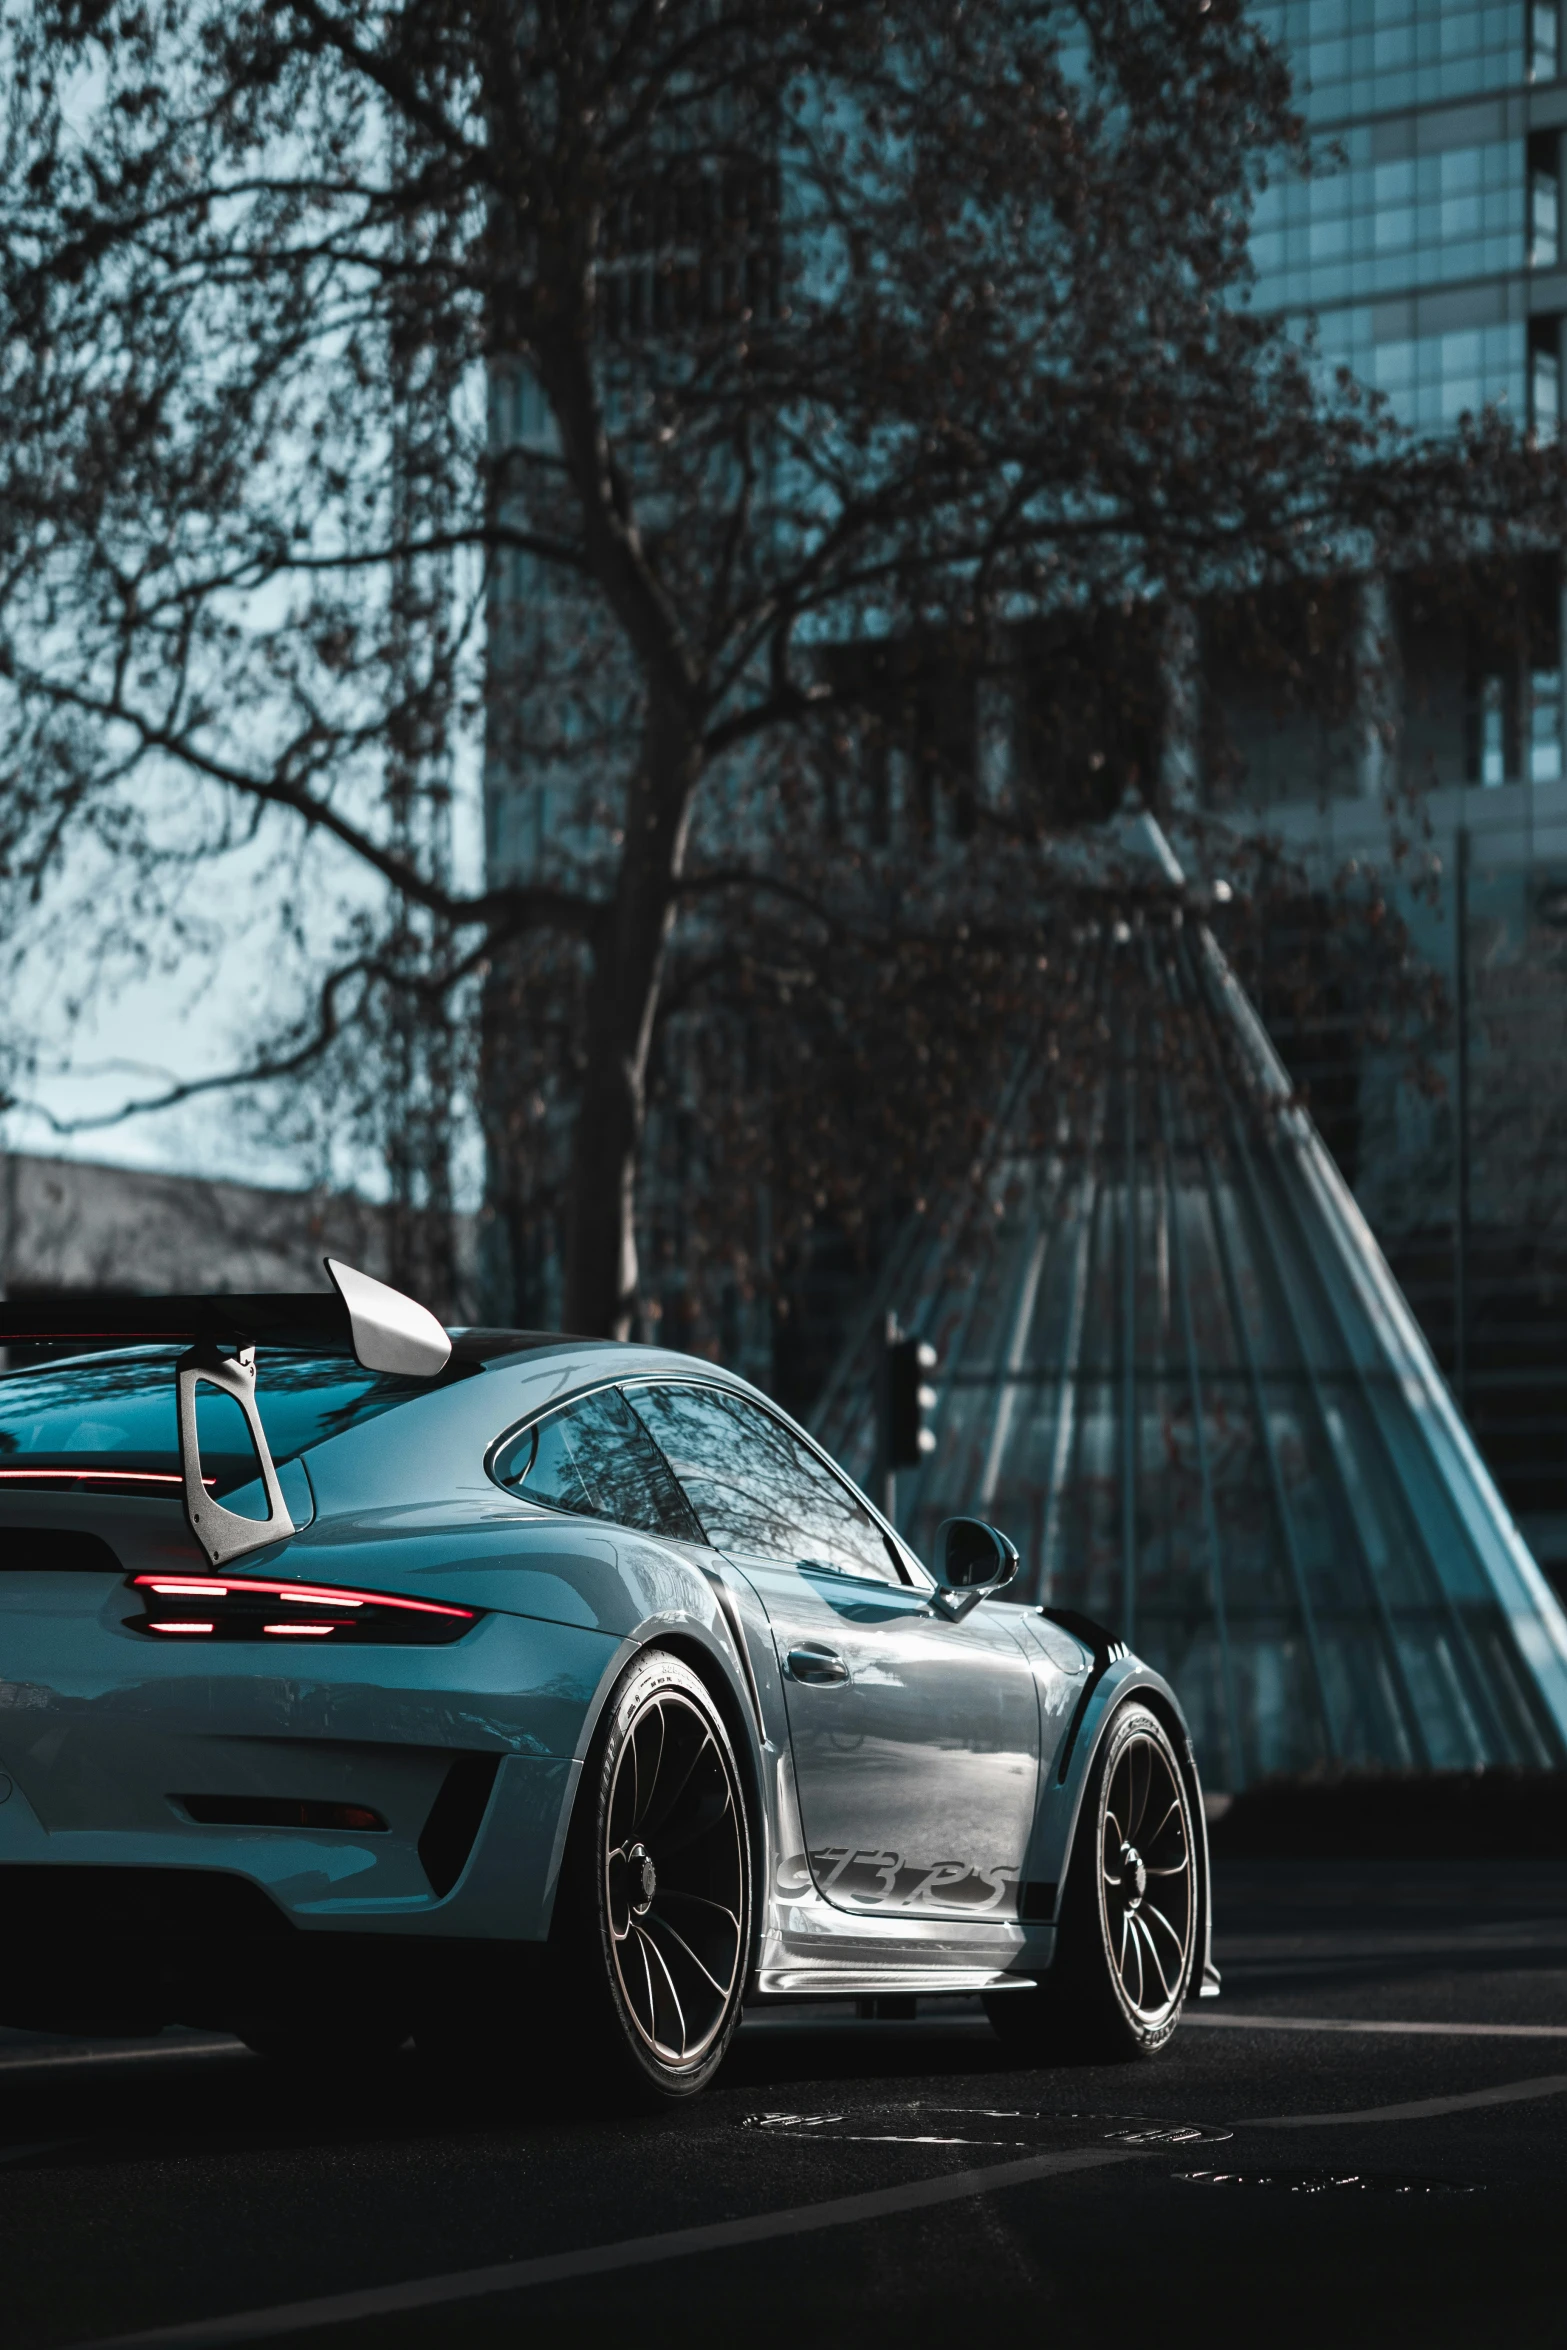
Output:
x=596 y=1458
x=756 y=1487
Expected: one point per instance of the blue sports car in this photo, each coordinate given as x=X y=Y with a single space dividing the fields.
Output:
x=560 y=1656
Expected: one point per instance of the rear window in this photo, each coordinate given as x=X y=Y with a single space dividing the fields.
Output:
x=117 y=1412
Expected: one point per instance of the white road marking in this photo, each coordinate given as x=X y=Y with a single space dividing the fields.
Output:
x=1333 y=1944
x=550 y=2268
x=1422 y=2109
x=38 y=2146
x=157 y=2052
x=292 y=2317
x=1337 y=2023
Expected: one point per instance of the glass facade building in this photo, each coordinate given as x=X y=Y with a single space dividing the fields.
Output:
x=1428 y=245
x=1426 y=252
x=1175 y=1368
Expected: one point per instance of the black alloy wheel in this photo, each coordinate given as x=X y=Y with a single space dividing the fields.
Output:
x=1127 y=1939
x=658 y=1895
x=1147 y=1904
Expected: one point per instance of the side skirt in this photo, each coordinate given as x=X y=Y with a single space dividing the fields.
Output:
x=866 y=1982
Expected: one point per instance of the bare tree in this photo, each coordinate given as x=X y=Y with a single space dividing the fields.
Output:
x=736 y=333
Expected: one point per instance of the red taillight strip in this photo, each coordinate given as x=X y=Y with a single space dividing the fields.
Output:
x=100 y=1476
x=201 y=1587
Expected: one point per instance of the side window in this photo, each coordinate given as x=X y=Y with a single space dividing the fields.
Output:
x=595 y=1457
x=755 y=1487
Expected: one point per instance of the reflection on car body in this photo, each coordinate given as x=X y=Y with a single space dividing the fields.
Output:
x=574 y=1651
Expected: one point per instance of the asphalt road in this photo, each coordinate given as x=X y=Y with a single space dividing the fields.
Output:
x=1291 y=2178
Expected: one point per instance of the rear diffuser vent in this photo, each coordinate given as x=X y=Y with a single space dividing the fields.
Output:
x=447 y=1836
x=94 y=1906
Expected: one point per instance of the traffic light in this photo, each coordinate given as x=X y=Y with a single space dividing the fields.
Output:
x=909 y=1402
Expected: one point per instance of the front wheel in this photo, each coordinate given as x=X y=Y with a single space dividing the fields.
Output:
x=1128 y=1934
x=655 y=1910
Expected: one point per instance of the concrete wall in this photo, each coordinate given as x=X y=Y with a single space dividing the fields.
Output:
x=66 y=1224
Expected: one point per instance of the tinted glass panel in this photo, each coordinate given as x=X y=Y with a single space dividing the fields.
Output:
x=595 y=1457
x=755 y=1487
x=117 y=1411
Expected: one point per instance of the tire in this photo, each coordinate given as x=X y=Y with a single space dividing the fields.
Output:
x=1127 y=1941
x=653 y=1921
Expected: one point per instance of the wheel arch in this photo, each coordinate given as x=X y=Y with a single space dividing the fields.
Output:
x=1142 y=1686
x=739 y=1719
x=1161 y=1701
x=736 y=1713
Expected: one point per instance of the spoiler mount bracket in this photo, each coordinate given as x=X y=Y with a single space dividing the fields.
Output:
x=224 y=1534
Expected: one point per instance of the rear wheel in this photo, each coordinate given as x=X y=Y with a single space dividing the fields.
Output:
x=1127 y=1938
x=654 y=1919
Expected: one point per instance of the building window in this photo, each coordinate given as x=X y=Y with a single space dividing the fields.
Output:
x=1545 y=404
x=1493 y=732
x=1544 y=35
x=1545 y=726
x=1544 y=203
x=1544 y=233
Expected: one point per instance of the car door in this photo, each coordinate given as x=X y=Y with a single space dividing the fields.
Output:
x=915 y=1739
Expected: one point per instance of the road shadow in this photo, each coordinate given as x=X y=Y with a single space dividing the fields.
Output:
x=227 y=2100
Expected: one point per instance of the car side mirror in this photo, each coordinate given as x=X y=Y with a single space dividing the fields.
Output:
x=972 y=1562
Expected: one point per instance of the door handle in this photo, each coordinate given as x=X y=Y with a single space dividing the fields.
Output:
x=814 y=1663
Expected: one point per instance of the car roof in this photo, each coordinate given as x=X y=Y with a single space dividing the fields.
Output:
x=601 y=1359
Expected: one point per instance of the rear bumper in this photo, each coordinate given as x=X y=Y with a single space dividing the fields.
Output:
x=103 y=1931
x=312 y=1883
x=132 y=1949
x=121 y=1758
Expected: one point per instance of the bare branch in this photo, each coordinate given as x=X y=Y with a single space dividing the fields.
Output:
x=265 y=1070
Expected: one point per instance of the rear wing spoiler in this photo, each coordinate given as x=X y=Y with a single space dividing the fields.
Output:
x=378 y=1326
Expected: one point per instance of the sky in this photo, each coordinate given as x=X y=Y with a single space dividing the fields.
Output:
x=135 y=1035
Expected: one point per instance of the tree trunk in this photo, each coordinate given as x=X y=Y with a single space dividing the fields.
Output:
x=628 y=970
